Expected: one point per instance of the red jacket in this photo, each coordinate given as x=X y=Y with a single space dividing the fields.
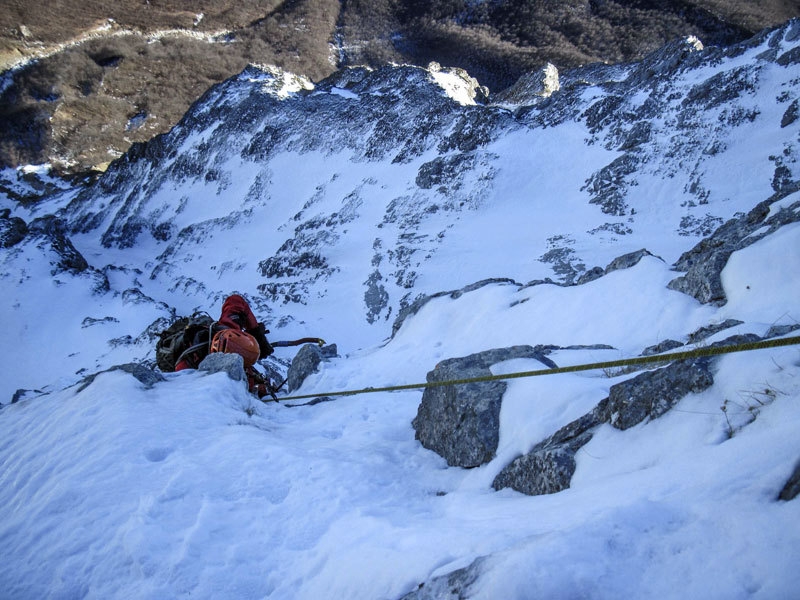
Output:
x=236 y=314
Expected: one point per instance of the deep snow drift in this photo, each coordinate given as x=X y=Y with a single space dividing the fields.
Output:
x=191 y=487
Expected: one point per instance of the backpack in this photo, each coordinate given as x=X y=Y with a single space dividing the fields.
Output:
x=187 y=334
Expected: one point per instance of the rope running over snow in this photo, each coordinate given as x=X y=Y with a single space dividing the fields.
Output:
x=611 y=364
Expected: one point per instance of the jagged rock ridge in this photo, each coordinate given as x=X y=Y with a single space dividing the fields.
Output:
x=86 y=80
x=420 y=155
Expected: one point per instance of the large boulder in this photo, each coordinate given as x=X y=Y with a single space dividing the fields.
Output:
x=221 y=362
x=462 y=422
x=306 y=362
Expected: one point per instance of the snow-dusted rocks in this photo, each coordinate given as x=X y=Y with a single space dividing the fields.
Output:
x=12 y=229
x=549 y=466
x=431 y=173
x=307 y=361
x=529 y=89
x=462 y=422
x=219 y=362
x=704 y=263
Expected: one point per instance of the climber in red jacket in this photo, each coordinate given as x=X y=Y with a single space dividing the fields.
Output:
x=237 y=331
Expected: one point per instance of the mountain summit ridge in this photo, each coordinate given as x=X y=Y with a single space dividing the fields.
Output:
x=415 y=163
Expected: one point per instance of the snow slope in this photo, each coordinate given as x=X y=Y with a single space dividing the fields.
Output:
x=195 y=489
x=192 y=488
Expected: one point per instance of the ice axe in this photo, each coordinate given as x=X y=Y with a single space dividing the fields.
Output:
x=307 y=340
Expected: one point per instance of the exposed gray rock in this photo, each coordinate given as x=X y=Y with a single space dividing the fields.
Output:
x=792 y=488
x=661 y=347
x=626 y=261
x=306 y=362
x=704 y=263
x=221 y=362
x=709 y=330
x=462 y=422
x=549 y=466
x=148 y=377
x=608 y=186
x=143 y=374
x=453 y=586
x=376 y=297
x=12 y=229
x=779 y=330
x=590 y=275
x=415 y=306
x=652 y=393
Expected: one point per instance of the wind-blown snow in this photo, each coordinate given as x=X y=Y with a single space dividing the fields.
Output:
x=192 y=488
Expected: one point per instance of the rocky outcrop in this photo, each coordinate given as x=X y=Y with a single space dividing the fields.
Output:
x=462 y=422
x=529 y=89
x=626 y=261
x=306 y=362
x=704 y=263
x=792 y=488
x=549 y=466
x=12 y=229
x=89 y=77
x=456 y=585
x=220 y=362
x=146 y=376
x=441 y=143
x=652 y=393
x=53 y=230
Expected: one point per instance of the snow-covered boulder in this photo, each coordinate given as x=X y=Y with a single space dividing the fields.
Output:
x=462 y=422
x=306 y=362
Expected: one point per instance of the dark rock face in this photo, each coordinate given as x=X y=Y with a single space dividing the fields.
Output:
x=792 y=488
x=704 y=263
x=306 y=362
x=653 y=393
x=462 y=422
x=219 y=362
x=456 y=585
x=12 y=230
x=549 y=466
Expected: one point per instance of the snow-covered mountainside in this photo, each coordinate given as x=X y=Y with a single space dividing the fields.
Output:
x=408 y=218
